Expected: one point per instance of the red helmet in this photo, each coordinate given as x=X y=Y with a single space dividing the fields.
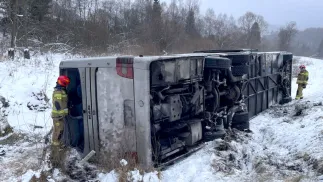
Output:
x=302 y=66
x=63 y=80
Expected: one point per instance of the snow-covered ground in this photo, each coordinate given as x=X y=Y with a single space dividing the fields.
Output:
x=28 y=85
x=286 y=143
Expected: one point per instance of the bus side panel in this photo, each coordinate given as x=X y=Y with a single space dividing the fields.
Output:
x=142 y=108
x=115 y=113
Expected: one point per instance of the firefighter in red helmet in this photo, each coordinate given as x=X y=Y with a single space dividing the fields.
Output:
x=302 y=79
x=59 y=112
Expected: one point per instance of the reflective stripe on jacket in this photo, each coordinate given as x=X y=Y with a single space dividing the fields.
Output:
x=59 y=100
x=302 y=77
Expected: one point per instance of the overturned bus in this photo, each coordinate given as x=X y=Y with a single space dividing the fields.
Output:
x=160 y=108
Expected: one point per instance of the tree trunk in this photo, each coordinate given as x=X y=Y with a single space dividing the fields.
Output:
x=14 y=22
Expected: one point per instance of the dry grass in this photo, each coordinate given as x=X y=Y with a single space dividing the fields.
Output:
x=13 y=139
x=124 y=172
x=294 y=179
x=121 y=169
x=6 y=131
x=110 y=162
x=18 y=167
x=42 y=178
x=270 y=176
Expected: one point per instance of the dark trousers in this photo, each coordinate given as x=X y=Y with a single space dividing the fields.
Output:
x=77 y=127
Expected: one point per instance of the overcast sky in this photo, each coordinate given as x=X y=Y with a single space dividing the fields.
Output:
x=307 y=13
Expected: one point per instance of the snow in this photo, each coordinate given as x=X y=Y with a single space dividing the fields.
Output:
x=314 y=90
x=285 y=143
x=19 y=158
x=123 y=162
x=28 y=175
x=134 y=176
x=21 y=81
x=112 y=176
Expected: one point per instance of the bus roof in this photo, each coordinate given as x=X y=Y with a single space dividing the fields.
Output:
x=143 y=62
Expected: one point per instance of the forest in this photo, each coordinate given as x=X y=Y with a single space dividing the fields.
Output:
x=150 y=27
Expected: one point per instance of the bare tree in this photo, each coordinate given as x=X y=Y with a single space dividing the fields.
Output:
x=157 y=26
x=209 y=21
x=255 y=37
x=132 y=26
x=221 y=30
x=285 y=36
x=247 y=20
x=174 y=30
x=193 y=5
x=4 y=13
x=13 y=16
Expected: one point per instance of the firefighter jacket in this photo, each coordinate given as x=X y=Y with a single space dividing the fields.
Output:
x=60 y=105
x=302 y=77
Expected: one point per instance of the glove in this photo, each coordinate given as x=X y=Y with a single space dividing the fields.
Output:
x=304 y=86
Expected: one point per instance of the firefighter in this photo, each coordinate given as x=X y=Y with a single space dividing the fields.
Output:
x=302 y=79
x=59 y=113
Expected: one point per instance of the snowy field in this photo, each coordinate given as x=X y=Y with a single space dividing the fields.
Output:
x=286 y=143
